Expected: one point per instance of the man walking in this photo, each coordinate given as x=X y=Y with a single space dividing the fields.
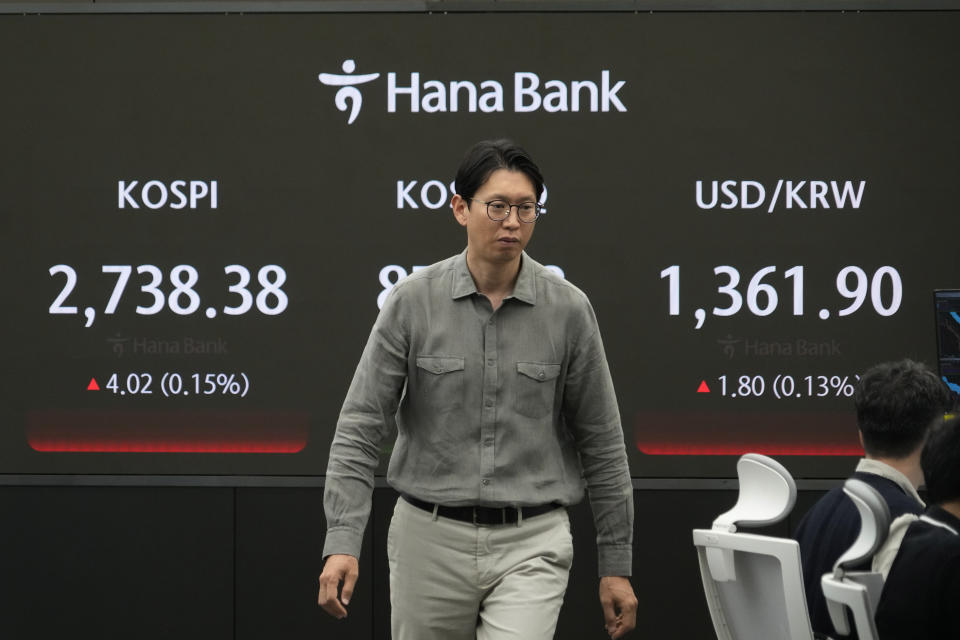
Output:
x=492 y=370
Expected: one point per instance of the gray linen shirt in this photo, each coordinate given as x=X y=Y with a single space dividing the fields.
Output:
x=507 y=407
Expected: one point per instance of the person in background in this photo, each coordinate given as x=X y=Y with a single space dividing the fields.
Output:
x=896 y=404
x=922 y=589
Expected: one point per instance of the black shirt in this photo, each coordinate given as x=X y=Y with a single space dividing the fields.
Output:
x=828 y=530
x=922 y=591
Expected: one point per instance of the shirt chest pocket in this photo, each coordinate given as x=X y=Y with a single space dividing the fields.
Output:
x=440 y=382
x=536 y=387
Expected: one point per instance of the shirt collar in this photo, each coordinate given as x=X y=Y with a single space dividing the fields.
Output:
x=463 y=284
x=524 y=290
x=884 y=470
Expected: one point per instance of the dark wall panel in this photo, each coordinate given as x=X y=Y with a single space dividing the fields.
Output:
x=98 y=562
x=383 y=502
x=224 y=563
x=666 y=572
x=279 y=557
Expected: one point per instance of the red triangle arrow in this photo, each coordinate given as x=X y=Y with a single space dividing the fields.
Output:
x=93 y=386
x=703 y=388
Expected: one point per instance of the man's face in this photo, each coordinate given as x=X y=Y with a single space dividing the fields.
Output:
x=492 y=242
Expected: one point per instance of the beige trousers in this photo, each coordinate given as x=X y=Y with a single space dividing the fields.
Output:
x=452 y=580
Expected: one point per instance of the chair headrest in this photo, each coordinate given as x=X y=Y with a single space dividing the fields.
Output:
x=874 y=525
x=767 y=494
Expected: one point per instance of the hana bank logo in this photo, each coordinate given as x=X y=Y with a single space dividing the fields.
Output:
x=530 y=93
x=348 y=91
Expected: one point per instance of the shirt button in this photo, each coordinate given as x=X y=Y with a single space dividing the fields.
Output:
x=541 y=375
x=484 y=482
x=491 y=362
x=488 y=403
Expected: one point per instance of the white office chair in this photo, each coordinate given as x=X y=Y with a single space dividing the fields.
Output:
x=754 y=583
x=858 y=591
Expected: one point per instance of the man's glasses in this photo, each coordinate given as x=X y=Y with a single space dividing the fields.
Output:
x=498 y=210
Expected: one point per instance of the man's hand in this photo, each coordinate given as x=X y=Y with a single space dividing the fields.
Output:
x=339 y=568
x=619 y=605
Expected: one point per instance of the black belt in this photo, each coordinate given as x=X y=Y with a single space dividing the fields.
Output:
x=483 y=515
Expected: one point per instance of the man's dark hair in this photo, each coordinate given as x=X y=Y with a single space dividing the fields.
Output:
x=896 y=404
x=940 y=462
x=487 y=156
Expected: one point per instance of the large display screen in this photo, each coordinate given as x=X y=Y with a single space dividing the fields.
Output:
x=201 y=215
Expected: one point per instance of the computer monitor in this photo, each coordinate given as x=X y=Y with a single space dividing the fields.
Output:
x=947 y=305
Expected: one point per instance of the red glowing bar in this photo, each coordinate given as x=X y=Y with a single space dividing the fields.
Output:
x=706 y=433
x=201 y=431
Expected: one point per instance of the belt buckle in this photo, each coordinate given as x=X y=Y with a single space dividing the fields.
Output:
x=503 y=516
